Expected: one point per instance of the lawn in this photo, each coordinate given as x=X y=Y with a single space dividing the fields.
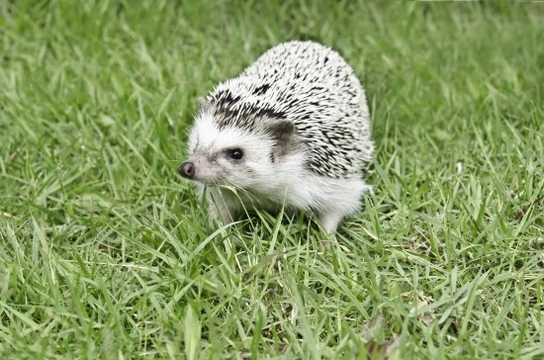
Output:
x=106 y=253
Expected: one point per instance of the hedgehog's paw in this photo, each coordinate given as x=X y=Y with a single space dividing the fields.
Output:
x=329 y=223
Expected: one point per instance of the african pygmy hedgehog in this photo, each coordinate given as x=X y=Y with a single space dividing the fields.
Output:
x=292 y=130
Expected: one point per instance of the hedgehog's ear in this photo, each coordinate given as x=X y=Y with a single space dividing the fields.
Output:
x=203 y=105
x=282 y=131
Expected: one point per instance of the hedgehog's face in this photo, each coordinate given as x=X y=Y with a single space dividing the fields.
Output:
x=231 y=155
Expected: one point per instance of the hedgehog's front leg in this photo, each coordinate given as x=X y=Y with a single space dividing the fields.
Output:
x=222 y=204
x=330 y=220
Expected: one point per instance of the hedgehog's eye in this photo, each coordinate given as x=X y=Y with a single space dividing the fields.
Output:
x=235 y=154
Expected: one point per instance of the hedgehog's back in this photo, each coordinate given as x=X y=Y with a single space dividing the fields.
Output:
x=315 y=88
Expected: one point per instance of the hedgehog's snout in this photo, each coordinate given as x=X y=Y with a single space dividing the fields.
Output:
x=187 y=170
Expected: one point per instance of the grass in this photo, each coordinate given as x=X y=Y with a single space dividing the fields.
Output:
x=106 y=253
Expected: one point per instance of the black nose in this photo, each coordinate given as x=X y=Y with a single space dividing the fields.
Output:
x=187 y=170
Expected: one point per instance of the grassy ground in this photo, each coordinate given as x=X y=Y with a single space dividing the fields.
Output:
x=106 y=253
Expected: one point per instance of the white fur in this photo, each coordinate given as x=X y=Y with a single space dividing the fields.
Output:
x=330 y=199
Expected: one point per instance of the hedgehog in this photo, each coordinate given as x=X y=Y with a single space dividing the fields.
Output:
x=291 y=132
